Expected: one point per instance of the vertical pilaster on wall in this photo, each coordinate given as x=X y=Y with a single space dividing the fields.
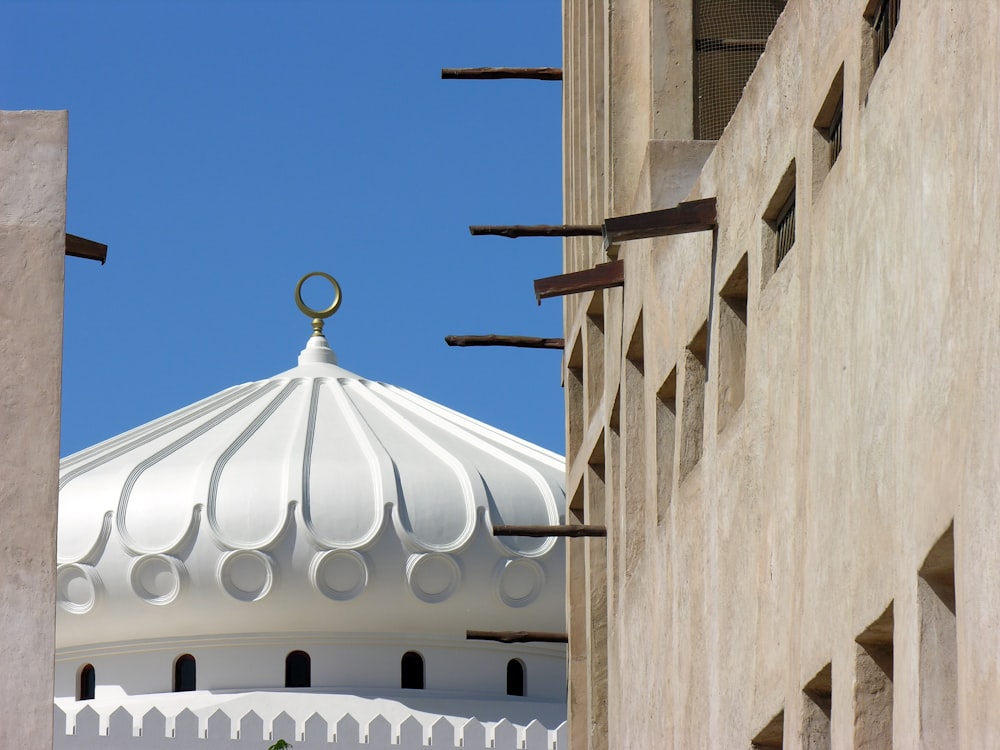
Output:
x=595 y=552
x=873 y=678
x=576 y=614
x=628 y=99
x=634 y=506
x=671 y=62
x=33 y=162
x=938 y=668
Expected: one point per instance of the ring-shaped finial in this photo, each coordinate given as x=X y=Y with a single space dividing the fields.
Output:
x=322 y=314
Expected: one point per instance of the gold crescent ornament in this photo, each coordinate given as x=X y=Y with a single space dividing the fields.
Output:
x=318 y=316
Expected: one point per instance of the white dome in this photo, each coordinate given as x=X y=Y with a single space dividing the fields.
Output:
x=315 y=501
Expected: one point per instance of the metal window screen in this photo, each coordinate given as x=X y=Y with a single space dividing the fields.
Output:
x=729 y=38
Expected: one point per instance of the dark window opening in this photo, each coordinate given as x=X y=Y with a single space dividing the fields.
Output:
x=515 y=677
x=412 y=671
x=88 y=684
x=884 y=21
x=184 y=674
x=298 y=670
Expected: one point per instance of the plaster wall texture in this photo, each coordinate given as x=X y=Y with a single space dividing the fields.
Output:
x=867 y=429
x=33 y=149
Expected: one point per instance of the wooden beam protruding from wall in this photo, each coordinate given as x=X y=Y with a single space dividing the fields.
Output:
x=482 y=74
x=566 y=530
x=691 y=216
x=492 y=339
x=515 y=636
x=78 y=247
x=601 y=276
x=513 y=231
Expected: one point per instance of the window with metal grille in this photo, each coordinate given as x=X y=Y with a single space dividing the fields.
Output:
x=779 y=223
x=784 y=230
x=834 y=133
x=828 y=131
x=884 y=21
x=729 y=37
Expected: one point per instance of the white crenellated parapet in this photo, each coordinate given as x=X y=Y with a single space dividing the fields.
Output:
x=154 y=731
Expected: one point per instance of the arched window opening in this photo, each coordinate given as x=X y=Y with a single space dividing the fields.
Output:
x=184 y=674
x=87 y=686
x=298 y=670
x=412 y=671
x=515 y=677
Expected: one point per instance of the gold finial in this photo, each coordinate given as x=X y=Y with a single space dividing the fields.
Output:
x=318 y=316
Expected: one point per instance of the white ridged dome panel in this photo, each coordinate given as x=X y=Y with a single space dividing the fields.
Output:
x=316 y=490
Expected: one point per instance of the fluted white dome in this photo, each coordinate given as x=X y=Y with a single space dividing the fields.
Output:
x=315 y=501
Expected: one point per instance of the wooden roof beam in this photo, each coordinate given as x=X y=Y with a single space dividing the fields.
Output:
x=492 y=339
x=691 y=216
x=601 y=276
x=568 y=530
x=513 y=231
x=516 y=636
x=483 y=74
x=78 y=247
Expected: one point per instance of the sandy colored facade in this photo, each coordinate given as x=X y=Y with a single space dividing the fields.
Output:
x=32 y=251
x=797 y=462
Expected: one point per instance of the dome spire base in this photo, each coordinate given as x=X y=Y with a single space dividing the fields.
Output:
x=317 y=351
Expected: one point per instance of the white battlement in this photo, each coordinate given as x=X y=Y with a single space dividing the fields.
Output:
x=88 y=729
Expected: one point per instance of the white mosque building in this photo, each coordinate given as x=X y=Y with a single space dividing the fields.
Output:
x=300 y=558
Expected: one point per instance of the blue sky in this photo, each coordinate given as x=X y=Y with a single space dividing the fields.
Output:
x=224 y=148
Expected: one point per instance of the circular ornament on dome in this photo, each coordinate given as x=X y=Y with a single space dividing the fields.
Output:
x=433 y=577
x=518 y=582
x=246 y=575
x=156 y=578
x=76 y=588
x=340 y=575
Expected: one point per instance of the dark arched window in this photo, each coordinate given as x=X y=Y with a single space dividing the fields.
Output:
x=88 y=684
x=184 y=673
x=515 y=677
x=411 y=670
x=298 y=670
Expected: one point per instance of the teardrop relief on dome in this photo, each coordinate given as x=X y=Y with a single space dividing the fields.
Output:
x=157 y=504
x=436 y=498
x=247 y=498
x=347 y=479
x=517 y=491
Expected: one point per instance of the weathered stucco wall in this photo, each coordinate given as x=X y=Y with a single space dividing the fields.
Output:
x=770 y=560
x=32 y=246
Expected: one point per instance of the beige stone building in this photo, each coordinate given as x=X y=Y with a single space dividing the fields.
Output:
x=33 y=245
x=789 y=421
